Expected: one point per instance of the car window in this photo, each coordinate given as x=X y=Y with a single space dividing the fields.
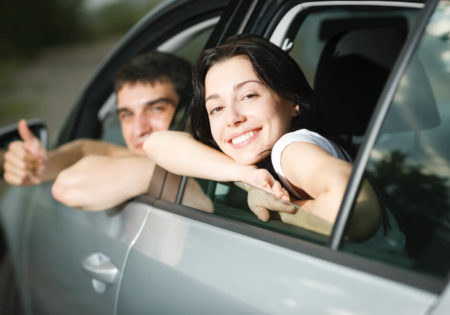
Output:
x=409 y=166
x=188 y=44
x=311 y=36
x=347 y=53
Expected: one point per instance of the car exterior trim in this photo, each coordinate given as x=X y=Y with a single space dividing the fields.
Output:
x=280 y=31
x=384 y=270
x=133 y=241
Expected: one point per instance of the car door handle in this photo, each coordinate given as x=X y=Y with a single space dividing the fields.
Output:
x=99 y=267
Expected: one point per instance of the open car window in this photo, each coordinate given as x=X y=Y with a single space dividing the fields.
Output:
x=347 y=54
x=188 y=45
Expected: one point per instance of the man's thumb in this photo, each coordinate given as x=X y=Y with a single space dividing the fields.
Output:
x=25 y=132
x=32 y=143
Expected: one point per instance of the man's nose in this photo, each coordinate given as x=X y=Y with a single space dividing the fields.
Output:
x=142 y=124
x=234 y=115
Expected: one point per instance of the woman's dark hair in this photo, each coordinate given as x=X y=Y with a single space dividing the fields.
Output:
x=272 y=65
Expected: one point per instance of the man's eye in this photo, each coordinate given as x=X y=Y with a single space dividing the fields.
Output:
x=124 y=115
x=158 y=108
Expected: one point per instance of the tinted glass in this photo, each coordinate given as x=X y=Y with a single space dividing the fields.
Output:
x=410 y=163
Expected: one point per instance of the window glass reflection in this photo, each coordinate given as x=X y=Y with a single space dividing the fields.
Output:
x=410 y=163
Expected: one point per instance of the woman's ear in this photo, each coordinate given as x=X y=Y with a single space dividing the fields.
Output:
x=296 y=110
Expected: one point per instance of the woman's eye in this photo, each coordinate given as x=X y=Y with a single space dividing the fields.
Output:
x=215 y=110
x=249 y=96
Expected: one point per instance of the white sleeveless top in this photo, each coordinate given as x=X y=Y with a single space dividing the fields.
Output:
x=303 y=135
x=391 y=240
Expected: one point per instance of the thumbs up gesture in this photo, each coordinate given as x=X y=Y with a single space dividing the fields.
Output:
x=25 y=160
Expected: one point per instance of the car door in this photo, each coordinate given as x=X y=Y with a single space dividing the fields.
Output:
x=227 y=262
x=71 y=261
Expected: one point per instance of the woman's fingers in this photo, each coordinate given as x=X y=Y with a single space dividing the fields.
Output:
x=260 y=202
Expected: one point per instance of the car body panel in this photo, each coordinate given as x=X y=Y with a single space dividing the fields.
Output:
x=190 y=267
x=173 y=259
x=52 y=225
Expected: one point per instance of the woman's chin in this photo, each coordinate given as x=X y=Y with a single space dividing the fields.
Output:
x=247 y=160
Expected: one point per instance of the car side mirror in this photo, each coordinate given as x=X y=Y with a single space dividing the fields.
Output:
x=10 y=133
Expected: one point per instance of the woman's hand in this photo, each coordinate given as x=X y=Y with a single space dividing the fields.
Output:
x=262 y=179
x=264 y=193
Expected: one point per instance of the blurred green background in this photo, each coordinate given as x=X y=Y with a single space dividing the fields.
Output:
x=51 y=48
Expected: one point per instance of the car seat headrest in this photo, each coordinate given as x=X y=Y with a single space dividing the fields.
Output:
x=352 y=71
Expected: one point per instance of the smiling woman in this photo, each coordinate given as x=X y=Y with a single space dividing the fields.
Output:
x=252 y=102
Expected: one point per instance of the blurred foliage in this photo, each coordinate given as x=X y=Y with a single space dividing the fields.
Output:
x=117 y=17
x=28 y=27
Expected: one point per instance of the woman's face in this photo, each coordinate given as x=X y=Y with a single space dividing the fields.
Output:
x=246 y=116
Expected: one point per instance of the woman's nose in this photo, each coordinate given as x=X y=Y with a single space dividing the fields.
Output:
x=234 y=116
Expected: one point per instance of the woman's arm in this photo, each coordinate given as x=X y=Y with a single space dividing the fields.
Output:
x=181 y=154
x=314 y=171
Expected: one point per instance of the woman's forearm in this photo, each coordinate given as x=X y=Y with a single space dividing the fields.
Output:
x=179 y=153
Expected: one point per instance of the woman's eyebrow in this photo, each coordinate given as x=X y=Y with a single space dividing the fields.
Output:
x=211 y=97
x=239 y=85
x=235 y=87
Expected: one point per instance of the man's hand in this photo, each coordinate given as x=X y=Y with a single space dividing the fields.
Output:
x=100 y=182
x=25 y=161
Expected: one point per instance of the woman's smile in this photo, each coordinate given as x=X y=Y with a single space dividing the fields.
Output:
x=241 y=140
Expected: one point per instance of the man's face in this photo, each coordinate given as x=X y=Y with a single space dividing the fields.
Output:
x=144 y=108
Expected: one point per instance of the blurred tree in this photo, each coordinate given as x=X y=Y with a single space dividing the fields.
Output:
x=28 y=26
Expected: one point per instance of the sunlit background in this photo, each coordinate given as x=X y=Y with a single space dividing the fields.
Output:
x=50 y=49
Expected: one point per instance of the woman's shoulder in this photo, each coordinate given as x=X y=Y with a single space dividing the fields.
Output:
x=306 y=135
x=301 y=135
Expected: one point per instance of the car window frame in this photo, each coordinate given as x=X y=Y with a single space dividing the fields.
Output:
x=82 y=121
x=376 y=121
x=331 y=252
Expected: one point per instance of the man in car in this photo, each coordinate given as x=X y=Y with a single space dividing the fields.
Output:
x=92 y=174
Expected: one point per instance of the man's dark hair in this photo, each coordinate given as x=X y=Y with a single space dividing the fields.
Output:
x=153 y=67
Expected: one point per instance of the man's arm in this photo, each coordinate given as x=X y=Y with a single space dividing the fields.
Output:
x=71 y=152
x=100 y=182
x=28 y=163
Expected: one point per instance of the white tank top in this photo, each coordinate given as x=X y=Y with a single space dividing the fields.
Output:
x=303 y=135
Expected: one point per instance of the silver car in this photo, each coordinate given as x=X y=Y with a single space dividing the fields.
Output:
x=381 y=70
